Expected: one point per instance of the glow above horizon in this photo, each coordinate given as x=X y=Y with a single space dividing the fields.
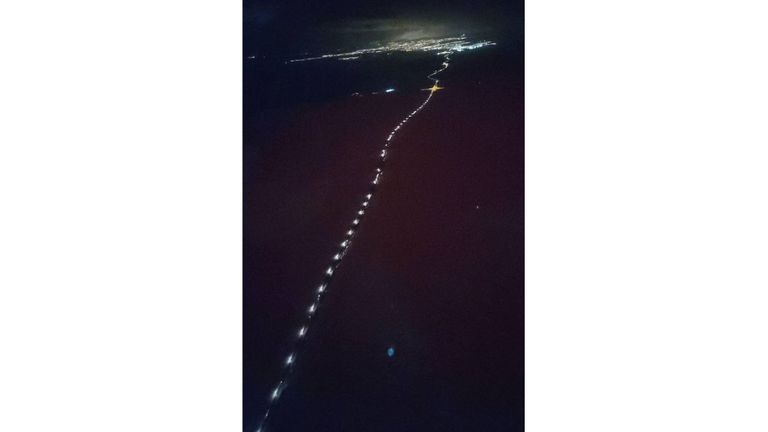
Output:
x=441 y=46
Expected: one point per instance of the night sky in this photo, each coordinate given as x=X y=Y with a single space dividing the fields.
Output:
x=421 y=328
x=280 y=27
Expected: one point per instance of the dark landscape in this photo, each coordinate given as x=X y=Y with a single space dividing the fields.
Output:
x=421 y=328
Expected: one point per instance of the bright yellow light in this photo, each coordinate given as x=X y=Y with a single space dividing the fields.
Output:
x=434 y=88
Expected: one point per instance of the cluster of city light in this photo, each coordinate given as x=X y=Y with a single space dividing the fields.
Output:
x=290 y=360
x=441 y=46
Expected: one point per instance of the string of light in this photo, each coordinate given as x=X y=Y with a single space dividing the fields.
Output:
x=290 y=361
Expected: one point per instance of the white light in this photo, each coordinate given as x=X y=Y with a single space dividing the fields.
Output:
x=329 y=271
x=302 y=331
x=365 y=204
x=440 y=46
x=275 y=392
x=337 y=257
x=389 y=90
x=356 y=221
x=312 y=308
x=345 y=242
x=350 y=232
x=360 y=212
x=368 y=196
x=289 y=360
x=321 y=288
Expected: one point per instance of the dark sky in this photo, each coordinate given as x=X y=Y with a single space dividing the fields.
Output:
x=284 y=27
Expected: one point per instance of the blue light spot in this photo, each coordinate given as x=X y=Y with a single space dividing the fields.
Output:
x=391 y=351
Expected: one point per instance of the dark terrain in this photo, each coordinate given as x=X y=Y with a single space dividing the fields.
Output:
x=436 y=270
